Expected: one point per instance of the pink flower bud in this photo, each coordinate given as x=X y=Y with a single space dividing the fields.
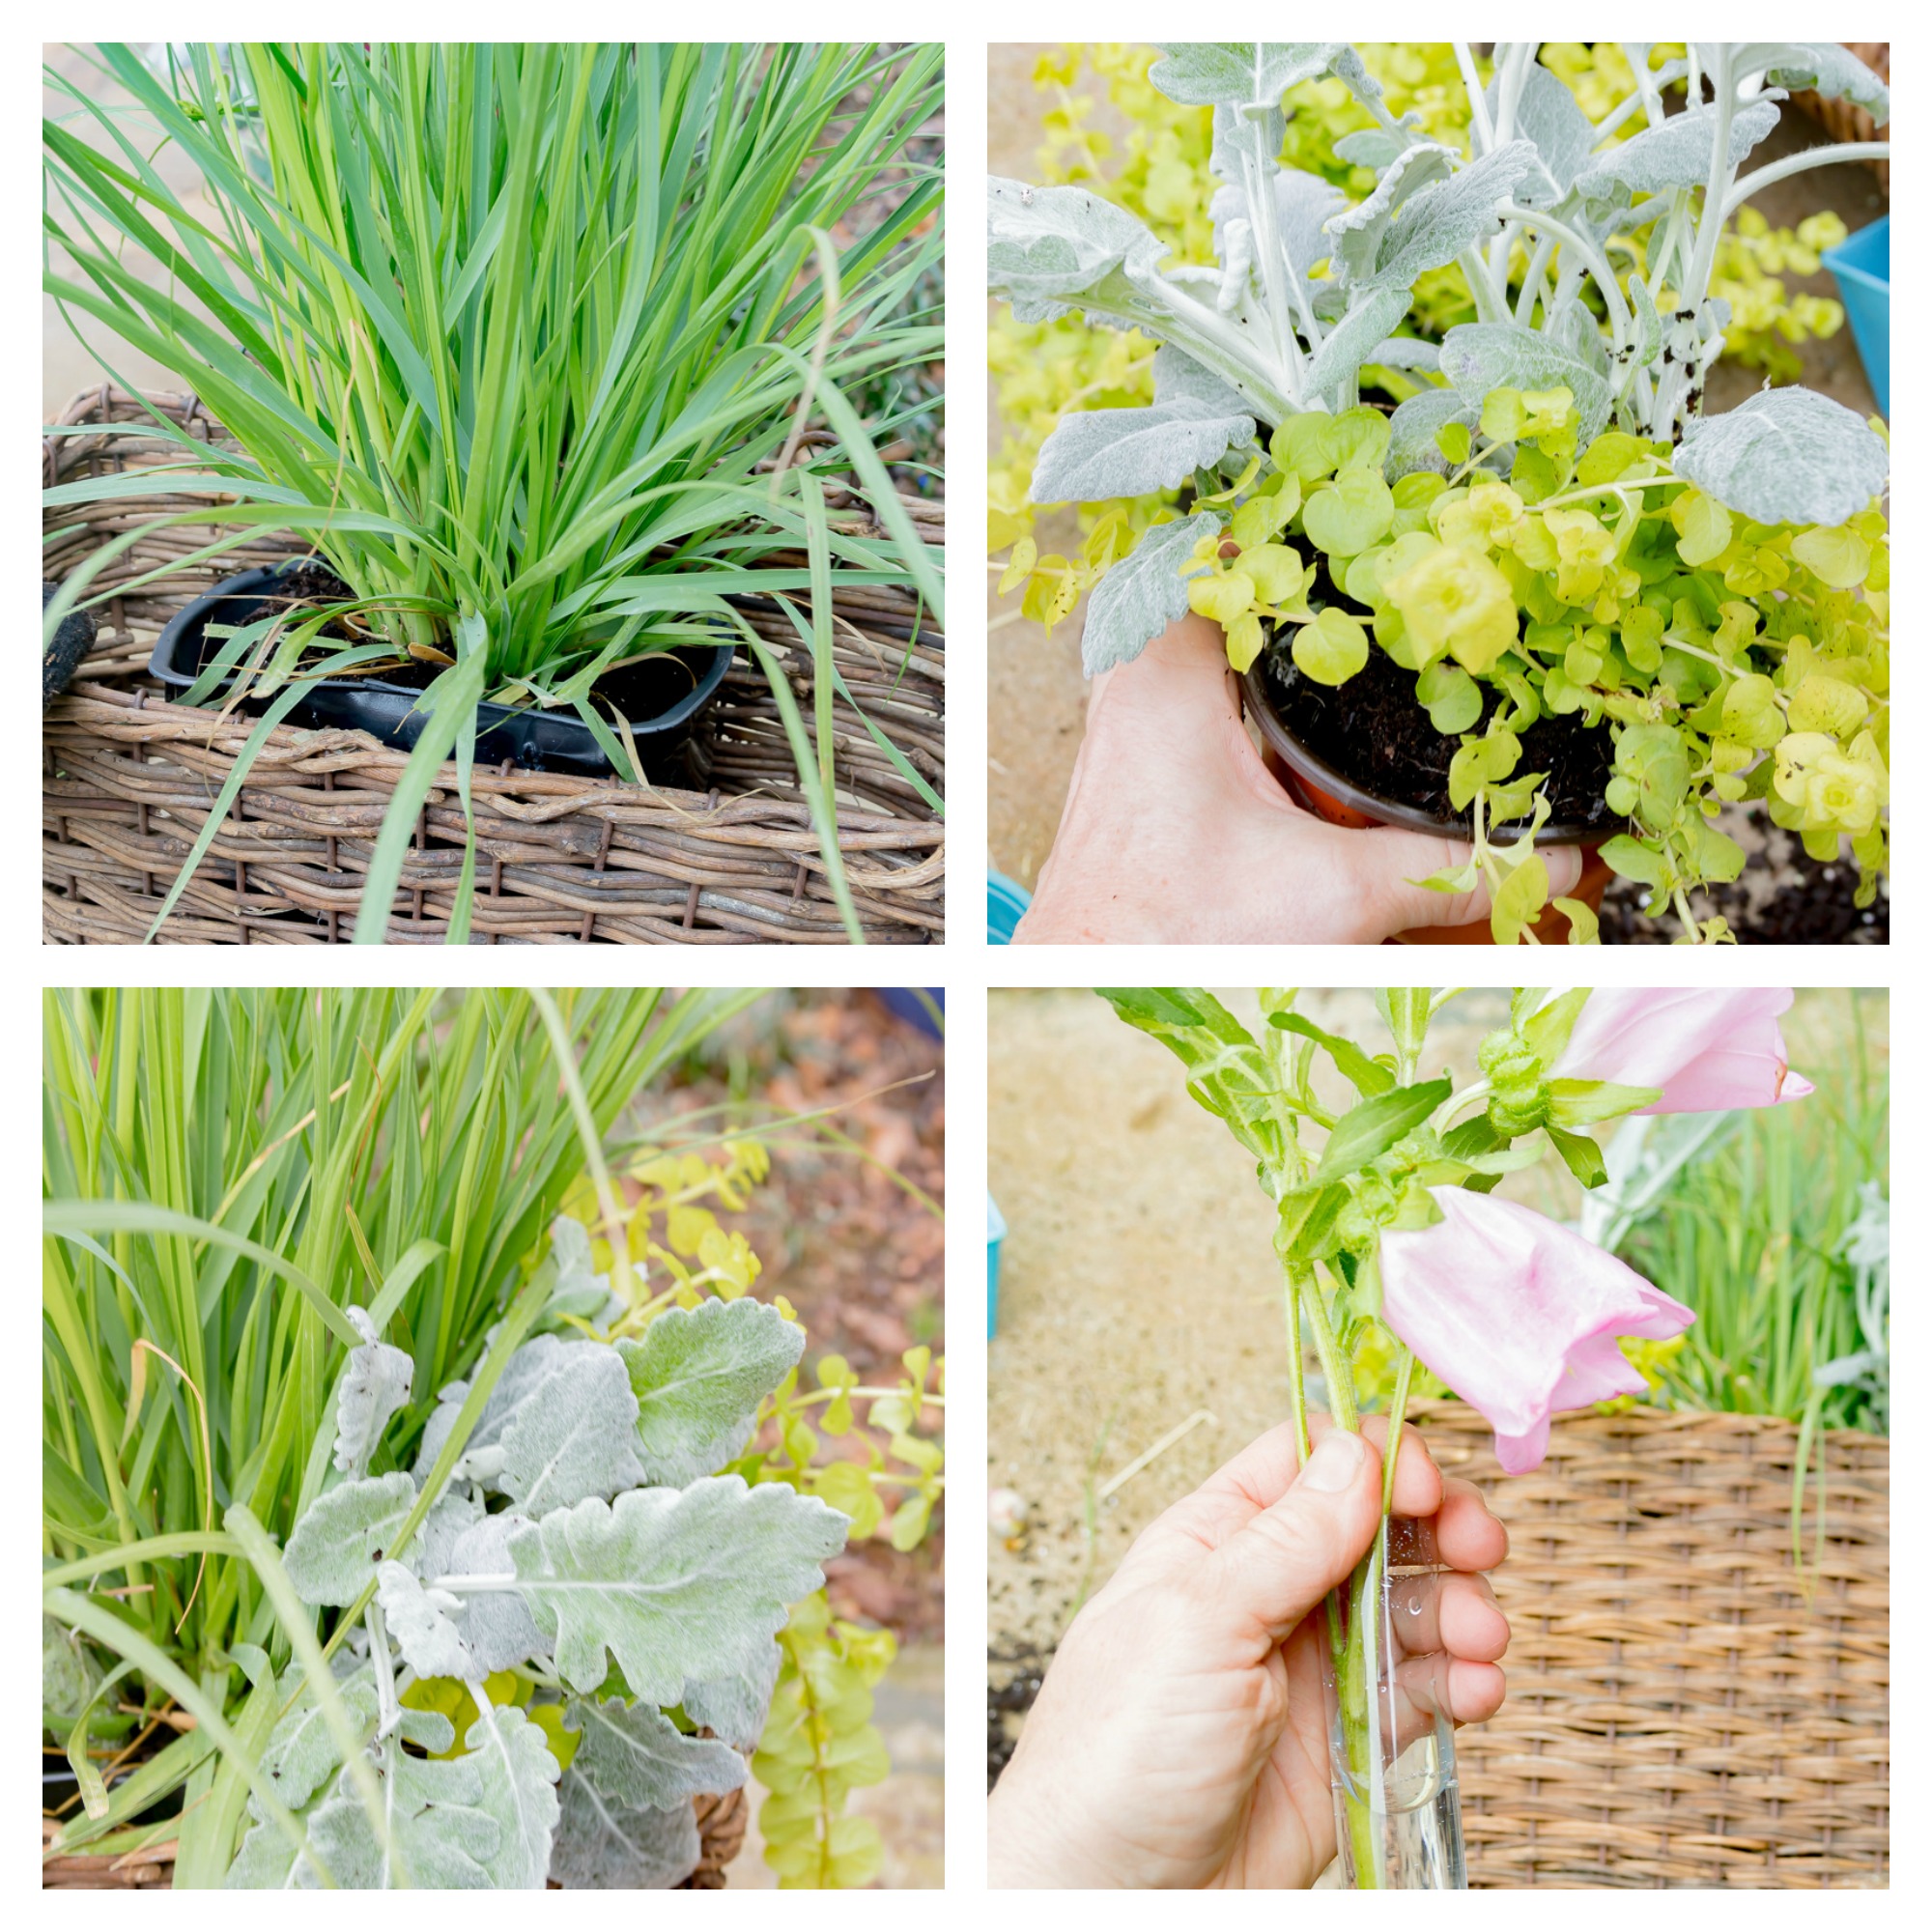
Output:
x=1708 y=1050
x=1518 y=1314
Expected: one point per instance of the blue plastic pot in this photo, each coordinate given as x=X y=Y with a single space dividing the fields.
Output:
x=1862 y=270
x=1005 y=901
x=906 y=1005
x=996 y=1232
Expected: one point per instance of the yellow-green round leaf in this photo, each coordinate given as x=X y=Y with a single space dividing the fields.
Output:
x=1351 y=517
x=1332 y=649
x=1839 y=557
x=1703 y=527
x=1224 y=598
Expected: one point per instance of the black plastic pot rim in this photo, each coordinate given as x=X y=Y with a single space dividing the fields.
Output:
x=1320 y=773
x=668 y=724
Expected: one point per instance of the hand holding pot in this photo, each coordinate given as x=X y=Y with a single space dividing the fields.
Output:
x=1175 y=832
x=1181 y=1737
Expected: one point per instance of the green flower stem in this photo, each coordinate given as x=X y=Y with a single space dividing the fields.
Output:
x=1334 y=1368
x=1297 y=1279
x=1348 y=1611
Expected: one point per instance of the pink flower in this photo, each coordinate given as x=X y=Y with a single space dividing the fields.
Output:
x=1709 y=1051
x=1518 y=1314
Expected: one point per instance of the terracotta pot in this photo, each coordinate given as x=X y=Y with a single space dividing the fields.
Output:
x=1318 y=787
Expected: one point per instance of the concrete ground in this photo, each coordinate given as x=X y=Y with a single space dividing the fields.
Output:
x=1037 y=696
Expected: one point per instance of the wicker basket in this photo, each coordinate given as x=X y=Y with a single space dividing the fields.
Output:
x=720 y=1836
x=1684 y=1709
x=128 y=781
x=1844 y=121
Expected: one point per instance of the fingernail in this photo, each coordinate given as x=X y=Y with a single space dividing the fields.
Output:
x=1565 y=864
x=1333 y=1467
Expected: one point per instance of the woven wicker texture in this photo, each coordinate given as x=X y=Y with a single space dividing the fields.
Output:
x=720 y=1837
x=1845 y=122
x=128 y=781
x=1683 y=1708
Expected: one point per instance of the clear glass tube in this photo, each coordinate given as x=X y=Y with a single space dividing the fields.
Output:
x=1392 y=1757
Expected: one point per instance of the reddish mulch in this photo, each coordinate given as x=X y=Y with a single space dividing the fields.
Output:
x=861 y=1260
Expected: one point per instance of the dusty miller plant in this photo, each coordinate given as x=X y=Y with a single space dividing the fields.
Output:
x=554 y=1600
x=1551 y=525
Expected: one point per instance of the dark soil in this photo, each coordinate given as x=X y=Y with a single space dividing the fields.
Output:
x=1375 y=733
x=640 y=691
x=1783 y=898
x=1008 y=1702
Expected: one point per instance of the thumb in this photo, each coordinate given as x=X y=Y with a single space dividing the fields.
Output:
x=1284 y=1561
x=1395 y=862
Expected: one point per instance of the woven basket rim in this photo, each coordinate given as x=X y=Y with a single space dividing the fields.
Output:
x=565 y=858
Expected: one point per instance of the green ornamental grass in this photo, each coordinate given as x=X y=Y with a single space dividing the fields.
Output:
x=224 y=1173
x=520 y=339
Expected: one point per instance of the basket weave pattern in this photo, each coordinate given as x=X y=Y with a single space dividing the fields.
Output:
x=1684 y=1709
x=1844 y=121
x=129 y=780
x=720 y=1837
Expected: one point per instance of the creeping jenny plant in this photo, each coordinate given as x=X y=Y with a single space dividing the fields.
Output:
x=1547 y=526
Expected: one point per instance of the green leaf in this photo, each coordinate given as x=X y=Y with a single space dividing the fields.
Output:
x=1332 y=649
x=420 y=1623
x=1546 y=1031
x=735 y=1707
x=137 y=1218
x=335 y=1547
x=671 y=1583
x=1703 y=527
x=1582 y=1155
x=1370 y=1129
x=1349 y=515
x=375 y=1386
x=1631 y=859
x=1582 y=1103
x=1524 y=893
x=1404 y=1011
x=444 y=1837
x=1226 y=1072
x=698 y=1377
x=518 y=1777
x=1472 y=1138
x=635 y=1757
x=1369 y=1076
x=1452 y=696
x=1162 y=1006
x=607 y=1847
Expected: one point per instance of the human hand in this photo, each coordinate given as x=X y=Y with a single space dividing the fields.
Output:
x=1173 y=831
x=1181 y=1737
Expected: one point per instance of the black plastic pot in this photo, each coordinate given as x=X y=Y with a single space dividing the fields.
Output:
x=59 y=1788
x=1343 y=802
x=538 y=741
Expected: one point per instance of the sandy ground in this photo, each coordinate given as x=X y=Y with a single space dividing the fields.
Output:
x=1038 y=698
x=68 y=363
x=1138 y=1283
